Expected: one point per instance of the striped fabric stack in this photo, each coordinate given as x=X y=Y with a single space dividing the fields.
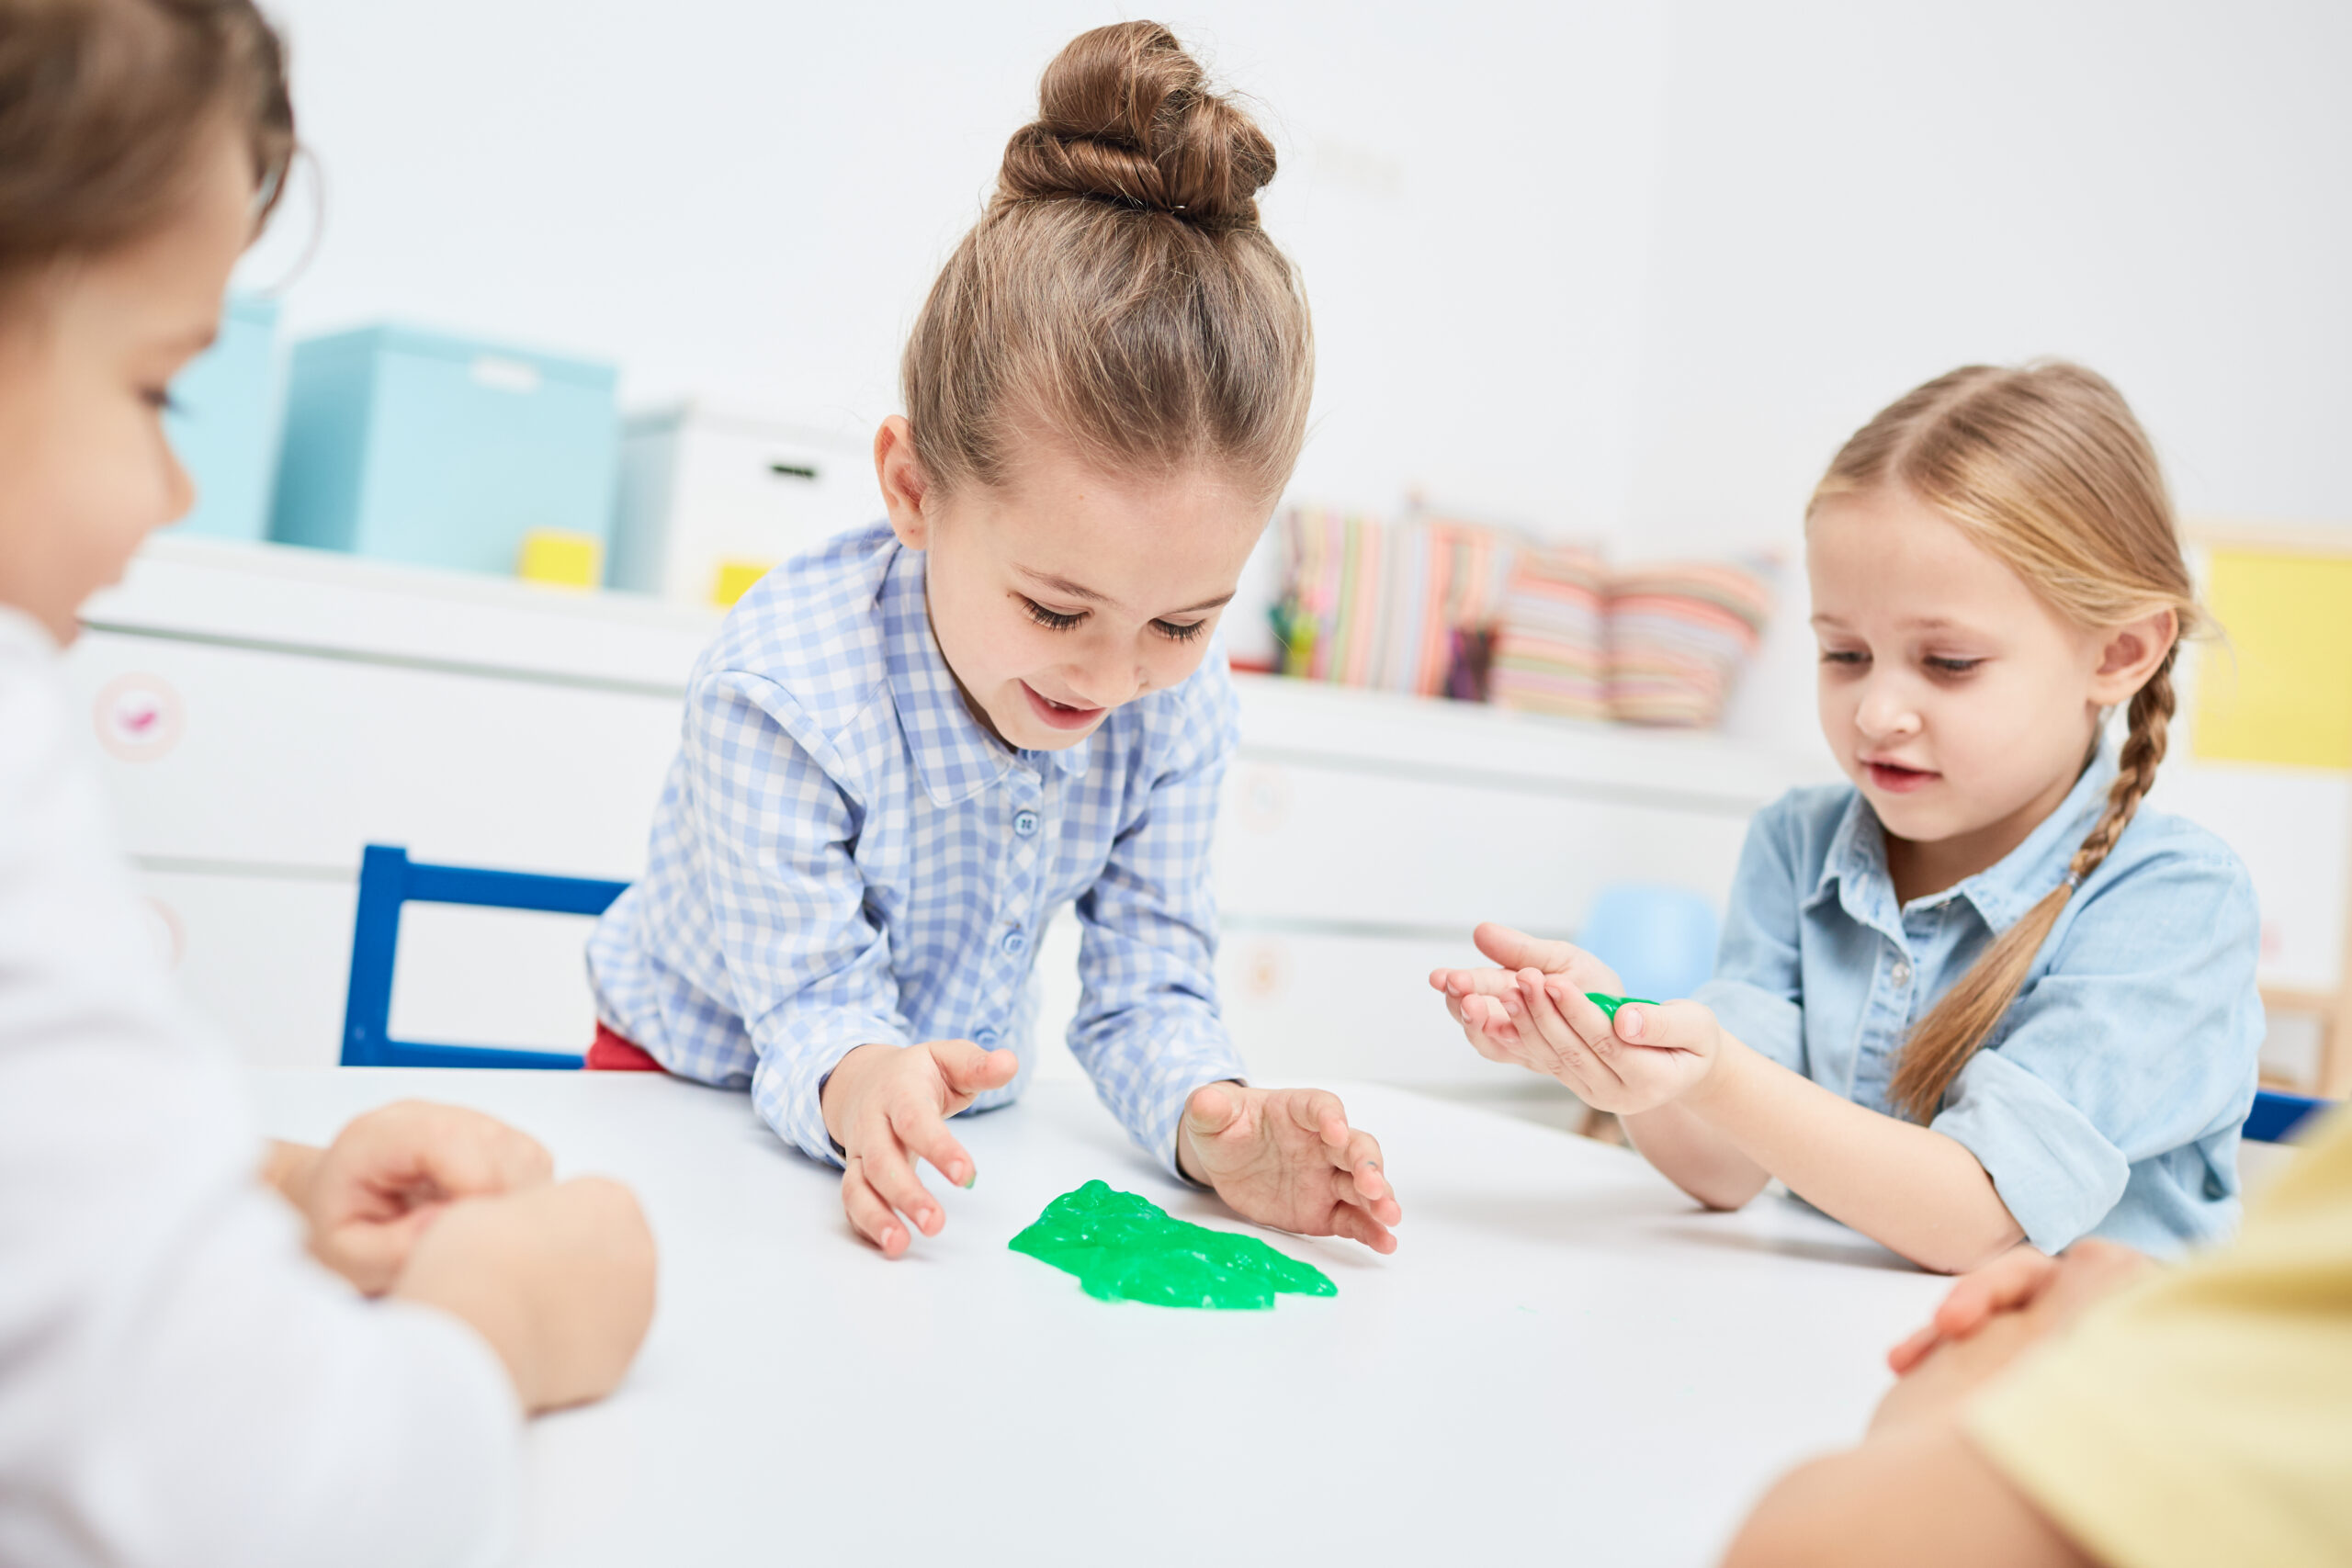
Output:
x=1388 y=605
x=1676 y=635
x=1551 y=650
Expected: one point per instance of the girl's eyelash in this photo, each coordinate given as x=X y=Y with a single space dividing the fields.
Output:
x=1841 y=656
x=1175 y=633
x=1952 y=666
x=1054 y=620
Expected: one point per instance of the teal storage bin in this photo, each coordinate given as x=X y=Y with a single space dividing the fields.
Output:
x=223 y=422
x=442 y=451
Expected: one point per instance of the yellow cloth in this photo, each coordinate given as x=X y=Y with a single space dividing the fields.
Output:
x=2206 y=1417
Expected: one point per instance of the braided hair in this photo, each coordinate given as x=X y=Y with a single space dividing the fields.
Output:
x=2045 y=468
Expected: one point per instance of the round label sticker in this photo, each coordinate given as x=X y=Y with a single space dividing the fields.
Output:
x=1265 y=799
x=1264 y=972
x=137 y=717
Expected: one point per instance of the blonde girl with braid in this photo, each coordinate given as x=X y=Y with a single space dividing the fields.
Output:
x=1977 y=996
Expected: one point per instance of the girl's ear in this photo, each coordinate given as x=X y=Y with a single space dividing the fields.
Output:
x=906 y=489
x=2130 y=655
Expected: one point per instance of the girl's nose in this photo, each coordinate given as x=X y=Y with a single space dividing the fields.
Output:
x=1886 y=712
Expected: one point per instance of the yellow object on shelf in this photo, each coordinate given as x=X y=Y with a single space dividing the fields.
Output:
x=560 y=556
x=735 y=578
x=2280 y=689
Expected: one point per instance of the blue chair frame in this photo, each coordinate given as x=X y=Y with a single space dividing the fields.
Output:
x=388 y=879
x=2275 y=1115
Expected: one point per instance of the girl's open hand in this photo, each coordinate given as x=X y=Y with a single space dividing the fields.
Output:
x=1488 y=1003
x=1286 y=1158
x=887 y=1106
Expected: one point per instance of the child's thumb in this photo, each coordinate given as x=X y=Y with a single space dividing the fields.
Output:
x=1210 y=1110
x=1517 y=950
x=1664 y=1025
x=969 y=1069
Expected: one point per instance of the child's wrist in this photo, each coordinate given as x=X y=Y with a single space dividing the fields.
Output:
x=837 y=1093
x=1726 y=1064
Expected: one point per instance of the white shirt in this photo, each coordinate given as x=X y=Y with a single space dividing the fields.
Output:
x=180 y=1382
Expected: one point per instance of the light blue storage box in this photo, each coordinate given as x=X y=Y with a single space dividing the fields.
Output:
x=223 y=422
x=442 y=451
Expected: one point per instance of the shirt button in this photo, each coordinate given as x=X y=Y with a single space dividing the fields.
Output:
x=1015 y=942
x=986 y=1039
x=1024 y=823
x=1900 y=973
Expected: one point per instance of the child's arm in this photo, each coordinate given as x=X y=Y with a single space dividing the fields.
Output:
x=1148 y=1030
x=1909 y=1187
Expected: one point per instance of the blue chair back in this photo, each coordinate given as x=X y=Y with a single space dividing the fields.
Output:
x=388 y=879
x=2277 y=1115
x=1660 y=940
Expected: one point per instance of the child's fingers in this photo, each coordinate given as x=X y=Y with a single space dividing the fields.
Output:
x=1911 y=1351
x=1319 y=1112
x=1515 y=950
x=2008 y=1282
x=1352 y=1222
x=1367 y=1176
x=1348 y=1187
x=926 y=1136
x=892 y=1175
x=1571 y=1050
x=868 y=1214
x=1477 y=982
x=968 y=1071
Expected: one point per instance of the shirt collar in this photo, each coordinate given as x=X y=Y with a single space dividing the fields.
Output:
x=954 y=756
x=1855 y=867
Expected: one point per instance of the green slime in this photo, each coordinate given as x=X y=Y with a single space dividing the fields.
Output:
x=1609 y=1004
x=1123 y=1247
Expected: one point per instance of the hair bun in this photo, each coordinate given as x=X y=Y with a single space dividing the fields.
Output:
x=1124 y=115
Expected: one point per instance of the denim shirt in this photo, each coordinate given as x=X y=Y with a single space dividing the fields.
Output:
x=2108 y=1100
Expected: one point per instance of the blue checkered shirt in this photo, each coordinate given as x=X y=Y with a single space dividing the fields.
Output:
x=843 y=855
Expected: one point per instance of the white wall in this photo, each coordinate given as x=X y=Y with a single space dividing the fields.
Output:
x=1630 y=268
x=1855 y=197
x=748 y=200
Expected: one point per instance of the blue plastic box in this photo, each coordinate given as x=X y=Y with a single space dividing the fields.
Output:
x=442 y=451
x=223 y=423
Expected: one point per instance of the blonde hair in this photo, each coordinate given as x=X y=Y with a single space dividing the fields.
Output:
x=1118 y=296
x=2044 y=469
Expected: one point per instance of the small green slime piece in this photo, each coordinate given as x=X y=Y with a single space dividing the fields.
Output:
x=1609 y=1004
x=1125 y=1248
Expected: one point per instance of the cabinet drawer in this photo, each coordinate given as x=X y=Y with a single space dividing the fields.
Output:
x=1357 y=846
x=277 y=759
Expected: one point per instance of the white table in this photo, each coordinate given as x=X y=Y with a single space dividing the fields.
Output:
x=1564 y=1358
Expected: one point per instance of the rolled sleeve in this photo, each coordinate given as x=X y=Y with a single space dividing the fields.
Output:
x=808 y=969
x=2051 y=1164
x=2139 y=1040
x=1148 y=1029
x=1757 y=991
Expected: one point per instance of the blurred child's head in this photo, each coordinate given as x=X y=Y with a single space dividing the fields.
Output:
x=1993 y=565
x=142 y=142
x=1105 y=392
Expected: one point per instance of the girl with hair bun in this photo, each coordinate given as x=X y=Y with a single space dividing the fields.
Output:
x=1979 y=995
x=907 y=751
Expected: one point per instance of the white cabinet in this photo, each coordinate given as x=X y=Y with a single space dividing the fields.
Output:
x=708 y=500
x=265 y=712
